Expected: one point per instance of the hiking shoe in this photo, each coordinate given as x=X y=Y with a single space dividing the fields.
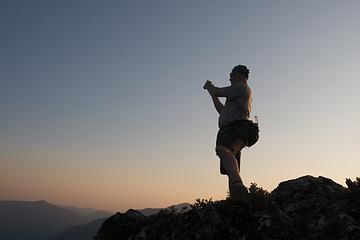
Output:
x=237 y=191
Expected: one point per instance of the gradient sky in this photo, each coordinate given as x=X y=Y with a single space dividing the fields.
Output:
x=102 y=103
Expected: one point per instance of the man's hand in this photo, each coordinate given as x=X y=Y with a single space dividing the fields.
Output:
x=209 y=87
x=208 y=84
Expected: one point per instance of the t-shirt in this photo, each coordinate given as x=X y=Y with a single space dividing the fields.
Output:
x=237 y=105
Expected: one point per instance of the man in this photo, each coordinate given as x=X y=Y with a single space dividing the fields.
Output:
x=233 y=123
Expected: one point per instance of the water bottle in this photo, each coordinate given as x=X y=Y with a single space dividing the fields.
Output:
x=256 y=120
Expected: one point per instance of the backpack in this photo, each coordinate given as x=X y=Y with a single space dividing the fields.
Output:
x=253 y=133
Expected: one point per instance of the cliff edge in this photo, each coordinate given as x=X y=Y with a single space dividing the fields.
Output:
x=303 y=208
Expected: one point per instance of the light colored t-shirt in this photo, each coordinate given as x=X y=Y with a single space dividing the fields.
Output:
x=237 y=105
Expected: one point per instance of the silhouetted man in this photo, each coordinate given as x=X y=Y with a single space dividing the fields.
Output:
x=233 y=123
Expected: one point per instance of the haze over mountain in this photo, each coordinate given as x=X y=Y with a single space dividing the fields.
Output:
x=88 y=213
x=87 y=231
x=81 y=232
x=39 y=220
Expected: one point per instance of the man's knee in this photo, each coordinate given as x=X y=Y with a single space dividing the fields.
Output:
x=220 y=150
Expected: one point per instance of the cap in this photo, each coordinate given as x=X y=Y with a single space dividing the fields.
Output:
x=240 y=69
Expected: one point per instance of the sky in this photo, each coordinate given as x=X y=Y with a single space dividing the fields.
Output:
x=102 y=105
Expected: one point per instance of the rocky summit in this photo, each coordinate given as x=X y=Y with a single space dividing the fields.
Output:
x=304 y=208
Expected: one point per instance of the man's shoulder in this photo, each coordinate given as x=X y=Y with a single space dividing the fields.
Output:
x=242 y=87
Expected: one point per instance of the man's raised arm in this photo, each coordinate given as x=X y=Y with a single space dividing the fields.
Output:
x=217 y=103
x=229 y=92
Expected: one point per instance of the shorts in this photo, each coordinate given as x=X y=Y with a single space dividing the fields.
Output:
x=229 y=136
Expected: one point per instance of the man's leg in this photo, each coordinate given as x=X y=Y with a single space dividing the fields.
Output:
x=229 y=163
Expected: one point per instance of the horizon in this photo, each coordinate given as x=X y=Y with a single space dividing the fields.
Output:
x=60 y=205
x=103 y=107
x=149 y=207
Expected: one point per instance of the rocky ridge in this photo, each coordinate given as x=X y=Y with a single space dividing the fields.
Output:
x=306 y=208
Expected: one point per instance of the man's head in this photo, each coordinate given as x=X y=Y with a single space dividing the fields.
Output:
x=239 y=73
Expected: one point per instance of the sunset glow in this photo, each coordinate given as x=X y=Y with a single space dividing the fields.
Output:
x=102 y=104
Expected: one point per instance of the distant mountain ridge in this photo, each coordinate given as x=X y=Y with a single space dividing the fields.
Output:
x=88 y=213
x=81 y=232
x=41 y=220
x=38 y=220
x=34 y=220
x=88 y=230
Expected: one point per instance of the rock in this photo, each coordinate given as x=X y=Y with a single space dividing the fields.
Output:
x=135 y=215
x=304 y=208
x=316 y=207
x=121 y=226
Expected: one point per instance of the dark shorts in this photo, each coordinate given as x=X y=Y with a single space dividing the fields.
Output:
x=229 y=136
